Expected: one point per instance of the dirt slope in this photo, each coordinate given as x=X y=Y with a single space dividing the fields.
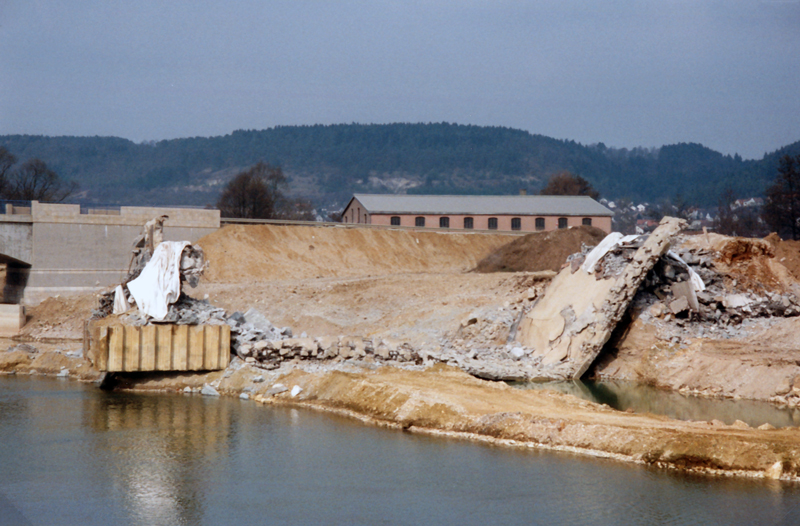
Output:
x=787 y=252
x=242 y=253
x=540 y=251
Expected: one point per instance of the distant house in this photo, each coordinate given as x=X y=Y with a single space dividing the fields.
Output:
x=525 y=213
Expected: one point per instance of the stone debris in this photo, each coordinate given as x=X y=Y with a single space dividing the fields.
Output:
x=277 y=389
x=209 y=390
x=270 y=350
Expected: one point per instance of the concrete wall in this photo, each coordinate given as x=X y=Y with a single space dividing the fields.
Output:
x=12 y=318
x=16 y=237
x=73 y=252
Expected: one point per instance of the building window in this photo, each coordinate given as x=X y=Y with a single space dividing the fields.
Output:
x=562 y=222
x=419 y=221
x=395 y=220
x=365 y=218
x=492 y=223
x=468 y=223
x=516 y=223
x=539 y=223
x=358 y=217
x=444 y=222
x=586 y=221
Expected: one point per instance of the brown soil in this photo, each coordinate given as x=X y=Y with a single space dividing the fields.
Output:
x=60 y=317
x=246 y=253
x=750 y=262
x=540 y=251
x=786 y=252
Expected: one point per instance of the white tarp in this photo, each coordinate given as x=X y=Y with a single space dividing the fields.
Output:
x=697 y=281
x=159 y=284
x=120 y=301
x=604 y=247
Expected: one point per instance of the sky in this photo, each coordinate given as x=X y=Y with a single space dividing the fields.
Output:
x=623 y=72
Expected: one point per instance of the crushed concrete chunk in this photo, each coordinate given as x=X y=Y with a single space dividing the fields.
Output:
x=679 y=305
x=208 y=390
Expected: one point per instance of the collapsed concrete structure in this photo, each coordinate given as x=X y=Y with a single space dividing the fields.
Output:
x=582 y=306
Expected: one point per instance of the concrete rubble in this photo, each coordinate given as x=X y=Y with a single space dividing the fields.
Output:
x=680 y=284
x=158 y=281
x=573 y=321
x=556 y=328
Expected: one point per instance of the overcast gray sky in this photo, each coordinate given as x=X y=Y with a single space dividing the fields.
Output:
x=624 y=72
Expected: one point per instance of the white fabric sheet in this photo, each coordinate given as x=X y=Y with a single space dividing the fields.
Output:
x=604 y=247
x=120 y=301
x=159 y=284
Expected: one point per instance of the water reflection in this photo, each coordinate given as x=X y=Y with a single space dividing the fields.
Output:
x=70 y=454
x=160 y=450
x=646 y=399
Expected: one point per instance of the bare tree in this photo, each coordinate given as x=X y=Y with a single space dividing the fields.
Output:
x=254 y=193
x=726 y=219
x=566 y=183
x=782 y=207
x=7 y=160
x=33 y=180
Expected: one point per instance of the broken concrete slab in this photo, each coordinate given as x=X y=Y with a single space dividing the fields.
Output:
x=685 y=290
x=570 y=324
x=679 y=305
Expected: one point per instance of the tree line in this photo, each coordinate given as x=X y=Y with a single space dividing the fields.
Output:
x=31 y=180
x=329 y=163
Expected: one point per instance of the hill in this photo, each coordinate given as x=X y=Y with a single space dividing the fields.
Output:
x=327 y=164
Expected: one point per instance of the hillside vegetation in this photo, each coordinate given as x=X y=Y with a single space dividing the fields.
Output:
x=327 y=164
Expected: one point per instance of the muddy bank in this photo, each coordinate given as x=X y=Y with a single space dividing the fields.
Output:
x=47 y=360
x=761 y=362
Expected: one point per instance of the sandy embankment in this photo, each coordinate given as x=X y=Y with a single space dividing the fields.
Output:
x=446 y=401
x=412 y=286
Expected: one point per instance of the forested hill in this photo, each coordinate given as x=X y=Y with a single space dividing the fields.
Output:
x=327 y=164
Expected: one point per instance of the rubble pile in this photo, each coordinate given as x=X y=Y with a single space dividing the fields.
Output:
x=723 y=301
x=692 y=291
x=271 y=353
x=185 y=311
x=251 y=328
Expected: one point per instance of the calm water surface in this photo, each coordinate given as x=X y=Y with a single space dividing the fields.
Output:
x=646 y=399
x=70 y=454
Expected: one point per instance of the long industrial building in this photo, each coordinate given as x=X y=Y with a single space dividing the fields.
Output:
x=525 y=213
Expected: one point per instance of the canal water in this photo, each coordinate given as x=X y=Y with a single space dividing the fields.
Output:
x=71 y=454
x=640 y=398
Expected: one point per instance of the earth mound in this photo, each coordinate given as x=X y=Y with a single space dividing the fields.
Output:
x=787 y=253
x=540 y=251
x=246 y=253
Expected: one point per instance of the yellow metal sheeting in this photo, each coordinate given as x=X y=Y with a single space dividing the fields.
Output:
x=128 y=348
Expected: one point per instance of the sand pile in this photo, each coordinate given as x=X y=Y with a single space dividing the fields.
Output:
x=59 y=317
x=245 y=253
x=540 y=251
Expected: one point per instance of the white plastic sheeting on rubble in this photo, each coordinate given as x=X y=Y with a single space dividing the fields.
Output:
x=120 y=301
x=697 y=281
x=159 y=284
x=604 y=247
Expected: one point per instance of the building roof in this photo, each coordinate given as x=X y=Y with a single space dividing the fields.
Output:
x=545 y=205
